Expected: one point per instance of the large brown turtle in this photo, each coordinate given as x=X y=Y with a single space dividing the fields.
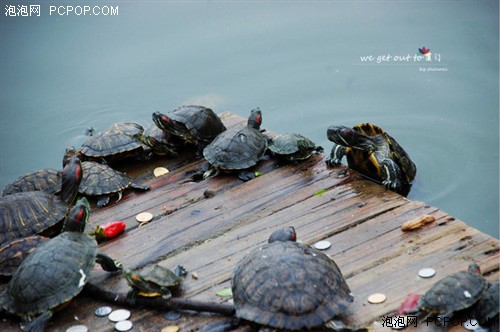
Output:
x=289 y=285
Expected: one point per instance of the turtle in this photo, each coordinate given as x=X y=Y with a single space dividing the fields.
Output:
x=103 y=181
x=36 y=212
x=120 y=141
x=195 y=124
x=47 y=180
x=487 y=307
x=453 y=293
x=159 y=282
x=161 y=142
x=289 y=285
x=55 y=272
x=373 y=153
x=237 y=149
x=15 y=251
x=293 y=147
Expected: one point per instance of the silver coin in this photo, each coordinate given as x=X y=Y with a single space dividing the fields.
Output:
x=123 y=325
x=119 y=315
x=172 y=315
x=103 y=311
x=322 y=245
x=427 y=272
x=77 y=328
x=471 y=325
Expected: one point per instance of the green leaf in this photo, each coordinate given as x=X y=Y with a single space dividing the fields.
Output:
x=320 y=192
x=225 y=293
x=257 y=174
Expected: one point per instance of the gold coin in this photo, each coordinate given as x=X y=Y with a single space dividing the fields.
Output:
x=144 y=217
x=170 y=328
x=159 y=171
x=377 y=298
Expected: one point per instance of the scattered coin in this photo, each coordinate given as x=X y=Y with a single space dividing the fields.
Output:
x=377 y=298
x=170 y=328
x=159 y=171
x=77 y=328
x=471 y=325
x=172 y=315
x=119 y=315
x=123 y=325
x=427 y=272
x=103 y=311
x=144 y=217
x=322 y=245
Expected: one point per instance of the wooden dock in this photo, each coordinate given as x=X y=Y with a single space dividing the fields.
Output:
x=209 y=226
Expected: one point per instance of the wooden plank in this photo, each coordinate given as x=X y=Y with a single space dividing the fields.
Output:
x=209 y=236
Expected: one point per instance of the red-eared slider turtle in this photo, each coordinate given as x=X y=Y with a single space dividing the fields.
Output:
x=55 y=272
x=35 y=212
x=487 y=308
x=121 y=141
x=373 y=153
x=161 y=142
x=47 y=180
x=237 y=149
x=13 y=253
x=197 y=125
x=455 y=292
x=293 y=147
x=160 y=281
x=289 y=285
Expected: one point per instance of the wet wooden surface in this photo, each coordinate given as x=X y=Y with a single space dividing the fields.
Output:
x=209 y=226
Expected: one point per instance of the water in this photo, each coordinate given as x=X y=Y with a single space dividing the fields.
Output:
x=300 y=62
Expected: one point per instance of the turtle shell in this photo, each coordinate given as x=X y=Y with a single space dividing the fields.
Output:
x=453 y=293
x=487 y=307
x=46 y=180
x=237 y=149
x=116 y=143
x=289 y=285
x=99 y=179
x=28 y=213
x=53 y=274
x=293 y=146
x=155 y=283
x=13 y=253
x=196 y=124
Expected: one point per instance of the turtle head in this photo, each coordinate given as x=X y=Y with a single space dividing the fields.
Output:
x=255 y=118
x=349 y=137
x=70 y=152
x=72 y=176
x=78 y=216
x=284 y=234
x=474 y=268
x=161 y=120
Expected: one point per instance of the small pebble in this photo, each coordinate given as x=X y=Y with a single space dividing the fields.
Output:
x=159 y=171
x=119 y=315
x=123 y=325
x=144 y=217
x=427 y=272
x=171 y=328
x=194 y=275
x=103 y=311
x=322 y=245
x=172 y=315
x=377 y=298
x=77 y=328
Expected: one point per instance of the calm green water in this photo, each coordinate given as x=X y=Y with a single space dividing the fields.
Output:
x=307 y=65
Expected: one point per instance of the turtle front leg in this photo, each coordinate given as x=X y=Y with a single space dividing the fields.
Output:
x=338 y=152
x=391 y=175
x=107 y=263
x=38 y=324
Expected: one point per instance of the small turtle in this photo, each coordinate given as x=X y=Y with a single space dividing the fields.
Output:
x=122 y=140
x=289 y=285
x=455 y=292
x=47 y=180
x=237 y=149
x=13 y=253
x=197 y=125
x=373 y=153
x=55 y=272
x=487 y=307
x=36 y=212
x=102 y=181
x=160 y=281
x=293 y=147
